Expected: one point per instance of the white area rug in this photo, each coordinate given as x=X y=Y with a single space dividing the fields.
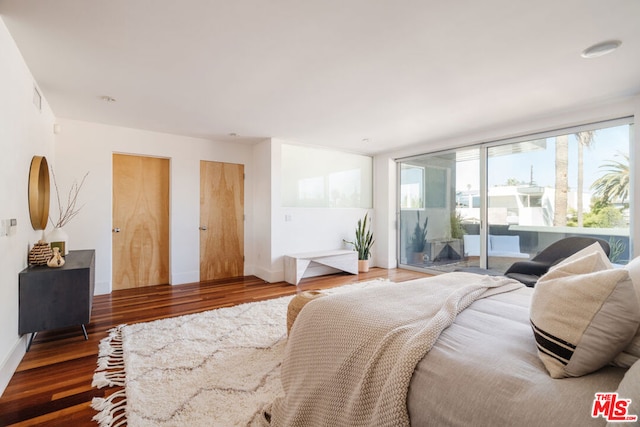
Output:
x=216 y=368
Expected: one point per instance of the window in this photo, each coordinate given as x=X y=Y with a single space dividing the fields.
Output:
x=537 y=190
x=314 y=177
x=566 y=178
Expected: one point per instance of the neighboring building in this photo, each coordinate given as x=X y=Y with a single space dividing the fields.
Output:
x=515 y=205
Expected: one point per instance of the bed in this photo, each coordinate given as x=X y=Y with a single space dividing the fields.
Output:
x=485 y=366
x=510 y=385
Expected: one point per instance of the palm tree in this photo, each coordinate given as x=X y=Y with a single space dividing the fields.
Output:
x=562 y=181
x=614 y=185
x=585 y=139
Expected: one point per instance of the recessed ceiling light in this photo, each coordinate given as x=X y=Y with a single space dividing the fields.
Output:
x=365 y=140
x=233 y=134
x=601 y=49
x=106 y=98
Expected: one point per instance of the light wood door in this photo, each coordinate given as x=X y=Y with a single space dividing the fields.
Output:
x=221 y=220
x=140 y=221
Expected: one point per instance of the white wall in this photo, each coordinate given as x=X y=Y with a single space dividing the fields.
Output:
x=307 y=229
x=261 y=245
x=384 y=203
x=24 y=132
x=386 y=171
x=82 y=146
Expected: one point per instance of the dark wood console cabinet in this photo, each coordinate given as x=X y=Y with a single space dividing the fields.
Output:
x=52 y=298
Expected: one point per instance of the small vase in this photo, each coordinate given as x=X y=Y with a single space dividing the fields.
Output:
x=59 y=238
x=56 y=260
x=363 y=265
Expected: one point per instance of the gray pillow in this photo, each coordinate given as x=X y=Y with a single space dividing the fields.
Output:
x=631 y=353
x=583 y=314
x=629 y=388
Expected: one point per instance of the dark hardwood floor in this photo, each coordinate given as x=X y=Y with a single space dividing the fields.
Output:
x=52 y=385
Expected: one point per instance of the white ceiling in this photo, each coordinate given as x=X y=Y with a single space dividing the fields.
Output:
x=325 y=72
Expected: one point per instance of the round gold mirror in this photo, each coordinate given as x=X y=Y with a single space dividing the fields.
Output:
x=39 y=192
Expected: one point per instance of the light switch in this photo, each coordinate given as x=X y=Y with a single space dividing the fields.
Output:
x=6 y=226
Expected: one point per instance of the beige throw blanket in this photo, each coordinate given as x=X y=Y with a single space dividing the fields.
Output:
x=350 y=357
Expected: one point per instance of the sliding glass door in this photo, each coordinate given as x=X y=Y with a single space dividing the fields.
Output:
x=437 y=197
x=569 y=184
x=530 y=192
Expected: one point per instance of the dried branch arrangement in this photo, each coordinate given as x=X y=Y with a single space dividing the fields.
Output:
x=69 y=211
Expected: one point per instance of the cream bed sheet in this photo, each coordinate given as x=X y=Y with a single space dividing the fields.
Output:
x=484 y=371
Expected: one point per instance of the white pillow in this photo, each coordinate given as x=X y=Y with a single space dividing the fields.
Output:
x=634 y=272
x=583 y=315
x=631 y=353
x=591 y=249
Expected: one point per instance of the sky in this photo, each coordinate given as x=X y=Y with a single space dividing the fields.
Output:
x=608 y=144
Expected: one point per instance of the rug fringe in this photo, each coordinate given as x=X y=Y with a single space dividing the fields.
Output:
x=110 y=370
x=111 y=413
x=108 y=379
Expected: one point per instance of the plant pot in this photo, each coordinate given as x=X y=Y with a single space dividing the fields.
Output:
x=417 y=258
x=363 y=265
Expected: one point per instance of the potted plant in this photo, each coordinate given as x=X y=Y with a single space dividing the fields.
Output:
x=457 y=230
x=418 y=241
x=362 y=244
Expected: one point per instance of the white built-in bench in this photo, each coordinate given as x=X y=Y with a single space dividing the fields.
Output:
x=311 y=264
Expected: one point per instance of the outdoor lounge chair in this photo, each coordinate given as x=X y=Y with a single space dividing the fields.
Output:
x=528 y=272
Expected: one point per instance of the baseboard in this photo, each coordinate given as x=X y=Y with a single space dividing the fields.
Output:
x=385 y=263
x=10 y=364
x=268 y=275
x=186 y=277
x=102 y=288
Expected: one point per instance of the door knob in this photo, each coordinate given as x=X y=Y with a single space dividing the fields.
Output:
x=203 y=228
x=116 y=230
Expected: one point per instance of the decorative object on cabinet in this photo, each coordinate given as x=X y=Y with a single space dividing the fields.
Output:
x=52 y=298
x=39 y=192
x=68 y=212
x=60 y=245
x=60 y=239
x=56 y=260
x=40 y=253
x=65 y=213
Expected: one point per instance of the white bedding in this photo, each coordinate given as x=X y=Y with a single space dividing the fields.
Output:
x=350 y=357
x=484 y=371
